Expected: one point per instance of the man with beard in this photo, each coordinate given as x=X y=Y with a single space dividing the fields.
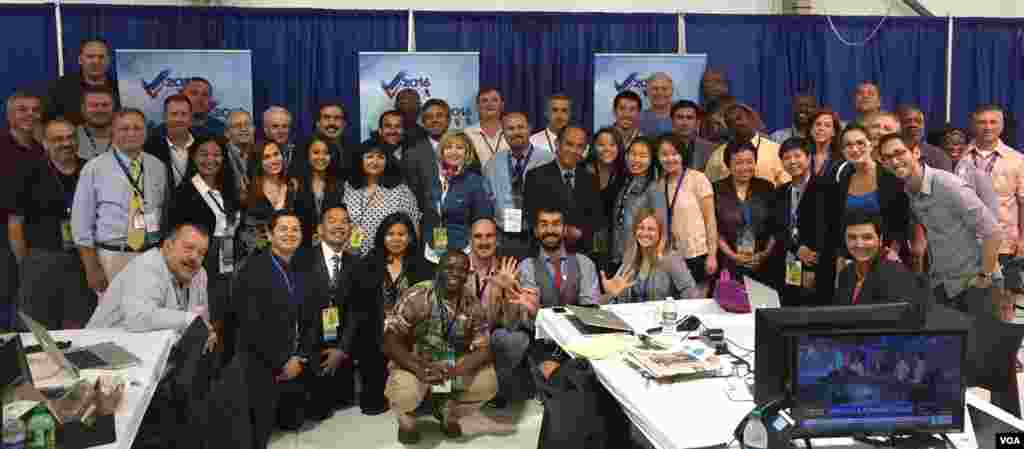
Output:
x=407 y=103
x=331 y=121
x=95 y=130
x=436 y=340
x=656 y=119
x=390 y=132
x=565 y=185
x=912 y=122
x=804 y=105
x=963 y=234
x=199 y=90
x=743 y=123
x=65 y=96
x=558 y=114
x=53 y=287
x=560 y=276
x=506 y=173
x=686 y=123
x=164 y=288
x=487 y=136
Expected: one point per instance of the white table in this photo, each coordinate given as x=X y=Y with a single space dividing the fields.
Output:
x=688 y=414
x=153 y=348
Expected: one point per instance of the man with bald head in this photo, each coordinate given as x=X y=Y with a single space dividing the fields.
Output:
x=656 y=119
x=713 y=86
x=277 y=127
x=867 y=100
x=506 y=172
x=912 y=122
x=565 y=185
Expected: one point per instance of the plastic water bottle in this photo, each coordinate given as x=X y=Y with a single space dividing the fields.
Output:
x=42 y=429
x=668 y=316
x=755 y=435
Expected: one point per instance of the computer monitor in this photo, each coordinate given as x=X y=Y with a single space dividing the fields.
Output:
x=850 y=383
x=771 y=369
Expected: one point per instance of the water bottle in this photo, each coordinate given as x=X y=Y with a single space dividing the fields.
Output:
x=747 y=242
x=42 y=429
x=668 y=316
x=755 y=435
x=14 y=433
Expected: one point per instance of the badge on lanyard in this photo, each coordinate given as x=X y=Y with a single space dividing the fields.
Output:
x=316 y=238
x=440 y=238
x=513 y=220
x=227 y=255
x=356 y=241
x=152 y=222
x=330 y=318
x=67 y=241
x=794 y=270
x=138 y=221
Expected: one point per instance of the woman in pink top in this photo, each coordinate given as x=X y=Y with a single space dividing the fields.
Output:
x=686 y=198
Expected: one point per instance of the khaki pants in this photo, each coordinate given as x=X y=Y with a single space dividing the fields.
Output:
x=113 y=261
x=405 y=392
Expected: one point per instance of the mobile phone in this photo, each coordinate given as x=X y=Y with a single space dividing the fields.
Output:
x=559 y=309
x=62 y=345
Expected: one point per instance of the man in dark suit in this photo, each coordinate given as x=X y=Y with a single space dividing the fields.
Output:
x=420 y=162
x=564 y=185
x=870 y=279
x=330 y=267
x=278 y=330
x=169 y=142
x=686 y=121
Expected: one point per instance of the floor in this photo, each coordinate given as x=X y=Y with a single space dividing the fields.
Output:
x=380 y=432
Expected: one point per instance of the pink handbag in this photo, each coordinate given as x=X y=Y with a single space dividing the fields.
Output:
x=731 y=295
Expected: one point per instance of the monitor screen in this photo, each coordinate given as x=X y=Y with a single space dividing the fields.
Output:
x=878 y=384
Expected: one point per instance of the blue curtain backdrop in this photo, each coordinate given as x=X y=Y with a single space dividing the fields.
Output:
x=300 y=56
x=529 y=56
x=30 y=55
x=768 y=58
x=988 y=67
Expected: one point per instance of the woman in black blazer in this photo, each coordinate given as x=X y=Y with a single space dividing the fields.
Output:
x=277 y=331
x=394 y=264
x=870 y=279
x=320 y=182
x=208 y=196
x=859 y=183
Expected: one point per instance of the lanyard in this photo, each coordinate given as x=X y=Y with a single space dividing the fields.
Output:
x=645 y=286
x=136 y=183
x=814 y=159
x=63 y=188
x=488 y=141
x=284 y=275
x=480 y=287
x=672 y=202
x=448 y=324
x=628 y=142
x=547 y=136
x=991 y=161
x=234 y=153
x=92 y=142
x=519 y=169
x=747 y=213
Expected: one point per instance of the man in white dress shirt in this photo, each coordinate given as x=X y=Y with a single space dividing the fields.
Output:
x=487 y=136
x=164 y=288
x=559 y=114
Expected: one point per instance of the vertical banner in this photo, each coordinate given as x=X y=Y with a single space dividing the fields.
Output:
x=147 y=77
x=614 y=73
x=452 y=77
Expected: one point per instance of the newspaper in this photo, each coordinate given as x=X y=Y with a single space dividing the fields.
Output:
x=686 y=360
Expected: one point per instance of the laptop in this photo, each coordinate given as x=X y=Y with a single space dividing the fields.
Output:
x=761 y=296
x=105 y=356
x=600 y=318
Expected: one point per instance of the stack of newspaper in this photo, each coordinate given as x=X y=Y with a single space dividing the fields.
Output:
x=690 y=359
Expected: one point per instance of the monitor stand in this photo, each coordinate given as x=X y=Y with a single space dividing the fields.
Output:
x=909 y=441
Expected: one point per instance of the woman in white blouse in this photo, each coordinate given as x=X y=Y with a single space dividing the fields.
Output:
x=375 y=191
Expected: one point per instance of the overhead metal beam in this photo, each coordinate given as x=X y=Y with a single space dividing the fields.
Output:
x=920 y=9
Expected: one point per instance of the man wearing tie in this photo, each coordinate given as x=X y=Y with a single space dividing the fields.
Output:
x=331 y=267
x=562 y=185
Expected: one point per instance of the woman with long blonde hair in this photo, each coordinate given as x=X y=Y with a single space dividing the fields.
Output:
x=650 y=271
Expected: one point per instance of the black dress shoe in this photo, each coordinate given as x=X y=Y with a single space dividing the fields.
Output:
x=408 y=436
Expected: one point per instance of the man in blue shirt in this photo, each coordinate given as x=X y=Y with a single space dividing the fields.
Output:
x=655 y=120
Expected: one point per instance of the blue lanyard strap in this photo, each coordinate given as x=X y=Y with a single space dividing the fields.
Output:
x=284 y=275
x=136 y=183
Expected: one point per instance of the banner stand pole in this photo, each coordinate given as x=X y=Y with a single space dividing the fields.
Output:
x=949 y=69
x=60 y=37
x=682 y=34
x=412 y=32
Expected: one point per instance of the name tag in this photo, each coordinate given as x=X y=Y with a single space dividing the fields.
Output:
x=138 y=221
x=330 y=318
x=227 y=255
x=152 y=222
x=67 y=241
x=440 y=238
x=445 y=387
x=356 y=241
x=794 y=270
x=513 y=220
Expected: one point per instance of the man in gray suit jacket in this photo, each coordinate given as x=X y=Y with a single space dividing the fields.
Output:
x=420 y=162
x=163 y=288
x=686 y=120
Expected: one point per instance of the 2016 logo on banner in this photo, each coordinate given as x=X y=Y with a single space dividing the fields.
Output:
x=402 y=81
x=636 y=81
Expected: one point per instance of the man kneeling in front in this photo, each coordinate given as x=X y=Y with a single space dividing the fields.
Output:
x=437 y=340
